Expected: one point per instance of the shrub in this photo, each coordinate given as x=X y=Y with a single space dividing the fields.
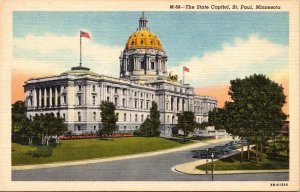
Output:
x=40 y=152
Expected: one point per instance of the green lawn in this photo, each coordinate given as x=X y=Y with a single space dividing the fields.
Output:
x=70 y=150
x=279 y=161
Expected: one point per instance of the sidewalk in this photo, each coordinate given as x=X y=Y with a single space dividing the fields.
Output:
x=190 y=168
x=101 y=160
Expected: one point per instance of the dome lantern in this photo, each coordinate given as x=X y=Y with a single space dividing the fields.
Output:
x=143 y=22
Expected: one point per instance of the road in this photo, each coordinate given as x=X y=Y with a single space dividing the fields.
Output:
x=153 y=168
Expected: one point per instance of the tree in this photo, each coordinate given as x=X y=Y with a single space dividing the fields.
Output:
x=150 y=126
x=186 y=122
x=255 y=111
x=45 y=126
x=108 y=118
x=216 y=118
x=20 y=123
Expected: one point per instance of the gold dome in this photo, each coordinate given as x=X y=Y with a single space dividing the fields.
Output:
x=144 y=39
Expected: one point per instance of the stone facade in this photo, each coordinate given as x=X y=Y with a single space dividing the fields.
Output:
x=76 y=95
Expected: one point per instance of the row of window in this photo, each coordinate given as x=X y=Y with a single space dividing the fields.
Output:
x=117 y=114
x=57 y=115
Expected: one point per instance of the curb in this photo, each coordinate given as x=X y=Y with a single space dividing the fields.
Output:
x=234 y=172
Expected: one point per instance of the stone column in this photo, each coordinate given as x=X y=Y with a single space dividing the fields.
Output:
x=50 y=97
x=40 y=97
x=55 y=96
x=45 y=97
x=34 y=97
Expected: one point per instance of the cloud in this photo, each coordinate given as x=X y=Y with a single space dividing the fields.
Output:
x=238 y=59
x=57 y=54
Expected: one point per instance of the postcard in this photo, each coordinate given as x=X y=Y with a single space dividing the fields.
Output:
x=149 y=95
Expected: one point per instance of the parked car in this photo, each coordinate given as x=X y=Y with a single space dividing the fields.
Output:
x=200 y=154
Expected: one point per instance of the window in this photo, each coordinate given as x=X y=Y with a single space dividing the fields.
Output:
x=142 y=42
x=142 y=118
x=124 y=116
x=147 y=95
x=94 y=116
x=123 y=102
x=152 y=96
x=124 y=91
x=79 y=100
x=168 y=119
x=79 y=87
x=65 y=99
x=116 y=90
x=79 y=116
x=64 y=116
x=132 y=42
x=107 y=99
x=142 y=65
x=78 y=127
x=152 y=65
x=135 y=104
x=130 y=117
x=141 y=94
x=141 y=104
x=135 y=94
x=94 y=88
x=136 y=118
x=116 y=101
x=57 y=114
x=94 y=99
x=94 y=128
x=117 y=114
x=147 y=105
x=108 y=89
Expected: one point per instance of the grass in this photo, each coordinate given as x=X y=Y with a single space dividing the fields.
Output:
x=70 y=150
x=279 y=161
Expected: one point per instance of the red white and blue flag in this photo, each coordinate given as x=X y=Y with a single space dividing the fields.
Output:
x=186 y=69
x=85 y=34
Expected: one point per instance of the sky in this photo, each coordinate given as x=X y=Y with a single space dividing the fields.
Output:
x=216 y=46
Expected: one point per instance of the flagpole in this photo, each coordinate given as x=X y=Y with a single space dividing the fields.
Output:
x=80 y=49
x=183 y=75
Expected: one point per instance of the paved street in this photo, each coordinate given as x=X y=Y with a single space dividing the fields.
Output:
x=154 y=168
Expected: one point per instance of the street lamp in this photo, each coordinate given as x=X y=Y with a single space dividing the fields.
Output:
x=206 y=160
x=212 y=166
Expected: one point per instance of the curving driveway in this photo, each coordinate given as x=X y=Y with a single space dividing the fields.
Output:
x=151 y=168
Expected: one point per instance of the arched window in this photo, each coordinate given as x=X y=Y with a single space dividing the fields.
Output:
x=79 y=116
x=142 y=118
x=124 y=116
x=142 y=65
x=136 y=117
x=94 y=116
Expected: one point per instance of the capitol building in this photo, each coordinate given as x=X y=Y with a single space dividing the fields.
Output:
x=76 y=95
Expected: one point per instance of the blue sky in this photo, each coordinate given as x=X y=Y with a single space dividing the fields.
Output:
x=189 y=38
